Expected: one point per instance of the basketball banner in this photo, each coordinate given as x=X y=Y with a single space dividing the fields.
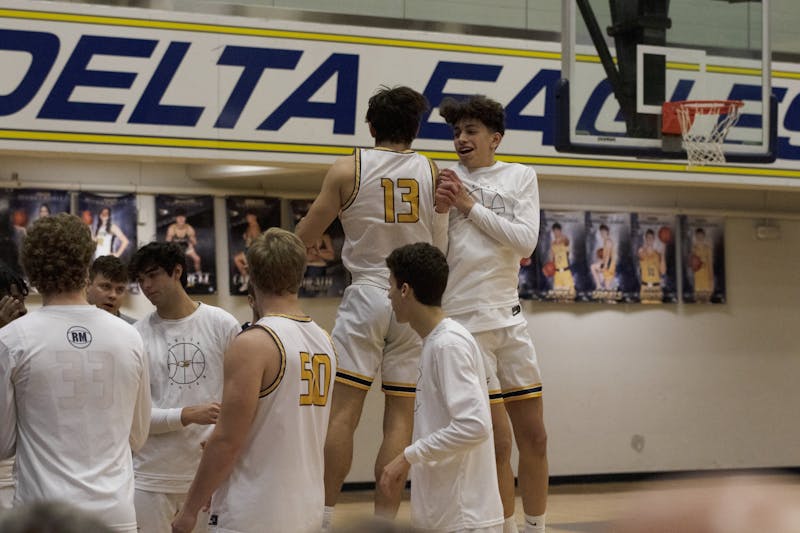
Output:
x=112 y=219
x=703 y=247
x=247 y=218
x=325 y=273
x=189 y=222
x=656 y=262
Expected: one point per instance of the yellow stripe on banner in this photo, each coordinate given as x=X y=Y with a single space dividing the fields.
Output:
x=172 y=142
x=280 y=34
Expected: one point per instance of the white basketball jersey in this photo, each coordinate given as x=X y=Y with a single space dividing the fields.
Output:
x=78 y=378
x=391 y=206
x=277 y=483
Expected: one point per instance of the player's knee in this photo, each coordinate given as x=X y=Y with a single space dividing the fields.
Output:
x=533 y=443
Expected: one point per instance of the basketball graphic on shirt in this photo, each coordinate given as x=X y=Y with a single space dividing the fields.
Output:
x=186 y=363
x=489 y=199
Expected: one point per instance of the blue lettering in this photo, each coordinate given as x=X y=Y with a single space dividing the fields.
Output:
x=445 y=71
x=544 y=79
x=342 y=111
x=43 y=48
x=149 y=110
x=587 y=122
x=76 y=74
x=791 y=121
x=254 y=61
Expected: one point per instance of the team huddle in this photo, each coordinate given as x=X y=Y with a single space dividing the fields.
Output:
x=185 y=422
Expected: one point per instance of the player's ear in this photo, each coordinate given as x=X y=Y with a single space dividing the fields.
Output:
x=496 y=138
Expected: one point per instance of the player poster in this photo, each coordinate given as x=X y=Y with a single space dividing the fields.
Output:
x=703 y=254
x=188 y=221
x=325 y=274
x=654 y=245
x=9 y=253
x=561 y=252
x=28 y=205
x=112 y=219
x=610 y=258
x=248 y=217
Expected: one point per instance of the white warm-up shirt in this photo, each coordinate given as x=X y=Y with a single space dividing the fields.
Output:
x=453 y=472
x=277 y=482
x=186 y=363
x=486 y=246
x=74 y=401
x=392 y=205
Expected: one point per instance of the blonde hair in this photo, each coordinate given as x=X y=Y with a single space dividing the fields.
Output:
x=276 y=261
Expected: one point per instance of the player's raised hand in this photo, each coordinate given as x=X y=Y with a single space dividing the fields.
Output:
x=203 y=414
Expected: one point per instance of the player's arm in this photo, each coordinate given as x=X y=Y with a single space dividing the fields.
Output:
x=441 y=214
x=192 y=234
x=123 y=240
x=470 y=421
x=170 y=233
x=140 y=426
x=8 y=407
x=520 y=233
x=337 y=187
x=252 y=359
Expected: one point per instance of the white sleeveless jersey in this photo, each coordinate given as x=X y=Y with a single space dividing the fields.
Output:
x=76 y=378
x=391 y=206
x=277 y=483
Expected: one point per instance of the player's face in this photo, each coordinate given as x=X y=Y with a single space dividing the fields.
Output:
x=475 y=144
x=106 y=294
x=649 y=239
x=104 y=214
x=396 y=297
x=158 y=285
x=180 y=220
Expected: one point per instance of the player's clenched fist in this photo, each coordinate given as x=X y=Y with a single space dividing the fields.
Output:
x=203 y=414
x=450 y=191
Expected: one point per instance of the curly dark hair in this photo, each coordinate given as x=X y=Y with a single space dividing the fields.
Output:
x=276 y=260
x=166 y=255
x=111 y=267
x=489 y=112
x=424 y=267
x=395 y=114
x=57 y=252
x=9 y=278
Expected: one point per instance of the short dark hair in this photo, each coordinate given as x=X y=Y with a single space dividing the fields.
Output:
x=166 y=255
x=489 y=112
x=111 y=267
x=603 y=227
x=424 y=268
x=10 y=278
x=57 y=252
x=180 y=211
x=650 y=232
x=556 y=225
x=395 y=114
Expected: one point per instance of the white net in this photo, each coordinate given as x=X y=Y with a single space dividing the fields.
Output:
x=704 y=125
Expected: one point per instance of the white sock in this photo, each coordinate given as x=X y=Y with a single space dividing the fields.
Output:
x=510 y=525
x=534 y=524
x=327 y=518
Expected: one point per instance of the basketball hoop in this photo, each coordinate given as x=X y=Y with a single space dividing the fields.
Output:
x=703 y=124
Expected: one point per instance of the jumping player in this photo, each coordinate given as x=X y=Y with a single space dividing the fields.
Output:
x=453 y=475
x=265 y=456
x=494 y=223
x=108 y=285
x=185 y=342
x=74 y=395
x=384 y=197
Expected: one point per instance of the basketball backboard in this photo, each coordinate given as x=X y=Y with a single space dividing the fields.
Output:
x=622 y=59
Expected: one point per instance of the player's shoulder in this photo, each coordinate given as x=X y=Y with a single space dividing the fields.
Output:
x=217 y=314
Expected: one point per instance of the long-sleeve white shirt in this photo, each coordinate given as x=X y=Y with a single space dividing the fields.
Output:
x=74 y=401
x=453 y=473
x=485 y=246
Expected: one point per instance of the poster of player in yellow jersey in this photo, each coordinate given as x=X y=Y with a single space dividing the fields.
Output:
x=654 y=246
x=559 y=262
x=703 y=259
x=610 y=258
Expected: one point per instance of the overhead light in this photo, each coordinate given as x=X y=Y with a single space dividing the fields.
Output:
x=229 y=171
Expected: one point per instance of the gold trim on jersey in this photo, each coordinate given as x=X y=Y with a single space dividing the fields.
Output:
x=406 y=390
x=296 y=318
x=384 y=149
x=356 y=179
x=277 y=381
x=523 y=393
x=434 y=177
